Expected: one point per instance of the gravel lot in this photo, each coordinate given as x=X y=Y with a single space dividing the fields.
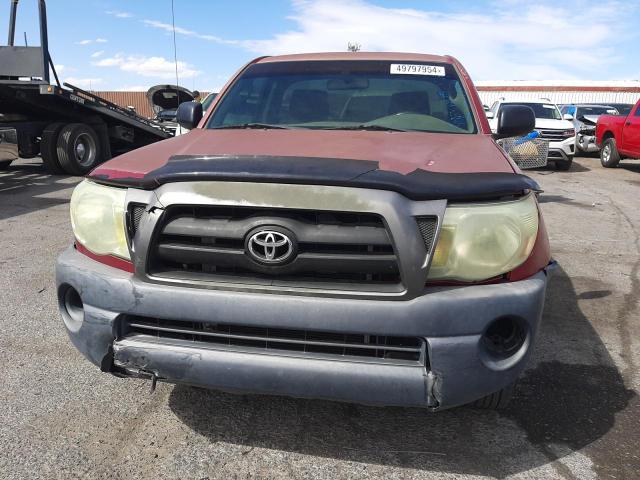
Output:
x=576 y=413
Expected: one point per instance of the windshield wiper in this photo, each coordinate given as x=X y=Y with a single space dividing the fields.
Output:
x=240 y=126
x=379 y=128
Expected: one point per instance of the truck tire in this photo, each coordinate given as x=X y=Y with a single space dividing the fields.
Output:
x=497 y=400
x=609 y=155
x=48 y=146
x=564 y=165
x=78 y=149
x=5 y=164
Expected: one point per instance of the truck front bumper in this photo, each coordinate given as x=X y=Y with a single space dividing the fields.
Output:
x=562 y=151
x=451 y=320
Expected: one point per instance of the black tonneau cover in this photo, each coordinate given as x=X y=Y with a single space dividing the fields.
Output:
x=417 y=185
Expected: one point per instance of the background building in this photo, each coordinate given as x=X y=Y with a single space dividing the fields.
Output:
x=137 y=100
x=570 y=91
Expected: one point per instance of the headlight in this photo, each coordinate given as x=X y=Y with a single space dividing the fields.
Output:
x=482 y=241
x=98 y=219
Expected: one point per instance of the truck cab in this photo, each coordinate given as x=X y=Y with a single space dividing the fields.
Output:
x=619 y=137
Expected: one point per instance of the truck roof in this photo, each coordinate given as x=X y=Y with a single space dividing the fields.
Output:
x=395 y=56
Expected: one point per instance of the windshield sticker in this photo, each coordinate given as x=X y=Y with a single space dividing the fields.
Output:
x=552 y=107
x=412 y=69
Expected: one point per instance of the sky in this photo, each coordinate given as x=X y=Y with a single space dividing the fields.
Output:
x=128 y=44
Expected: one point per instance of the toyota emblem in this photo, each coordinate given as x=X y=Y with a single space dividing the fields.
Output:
x=270 y=247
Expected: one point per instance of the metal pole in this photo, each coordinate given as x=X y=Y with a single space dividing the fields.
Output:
x=44 y=40
x=12 y=22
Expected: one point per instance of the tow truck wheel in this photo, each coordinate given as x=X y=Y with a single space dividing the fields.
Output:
x=609 y=156
x=48 y=148
x=78 y=149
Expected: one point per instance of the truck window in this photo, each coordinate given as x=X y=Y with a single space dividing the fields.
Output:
x=542 y=110
x=598 y=110
x=346 y=95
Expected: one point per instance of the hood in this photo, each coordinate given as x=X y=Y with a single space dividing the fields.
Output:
x=588 y=119
x=550 y=124
x=167 y=97
x=400 y=152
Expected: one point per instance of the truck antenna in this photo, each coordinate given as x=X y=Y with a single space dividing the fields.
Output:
x=175 y=51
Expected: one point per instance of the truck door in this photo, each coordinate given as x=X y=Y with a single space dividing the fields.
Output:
x=631 y=133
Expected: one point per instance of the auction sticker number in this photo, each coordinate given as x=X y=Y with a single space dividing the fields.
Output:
x=412 y=69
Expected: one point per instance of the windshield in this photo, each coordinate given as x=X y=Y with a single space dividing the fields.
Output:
x=597 y=110
x=368 y=95
x=206 y=103
x=623 y=108
x=542 y=110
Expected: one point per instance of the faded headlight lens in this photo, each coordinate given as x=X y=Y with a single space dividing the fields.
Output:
x=98 y=219
x=482 y=241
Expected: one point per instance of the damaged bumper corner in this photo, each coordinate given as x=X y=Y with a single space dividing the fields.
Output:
x=238 y=371
x=586 y=141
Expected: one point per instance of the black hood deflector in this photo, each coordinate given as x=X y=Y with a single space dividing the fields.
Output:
x=417 y=185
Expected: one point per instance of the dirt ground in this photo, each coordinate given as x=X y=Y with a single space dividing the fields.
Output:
x=576 y=413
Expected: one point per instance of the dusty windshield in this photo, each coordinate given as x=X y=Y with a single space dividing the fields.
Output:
x=347 y=95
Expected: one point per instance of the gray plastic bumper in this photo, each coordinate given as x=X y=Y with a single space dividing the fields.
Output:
x=451 y=319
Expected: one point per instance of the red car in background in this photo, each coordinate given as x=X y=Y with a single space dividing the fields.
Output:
x=618 y=137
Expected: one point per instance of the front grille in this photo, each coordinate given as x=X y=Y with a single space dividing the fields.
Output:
x=335 y=247
x=555 y=135
x=304 y=342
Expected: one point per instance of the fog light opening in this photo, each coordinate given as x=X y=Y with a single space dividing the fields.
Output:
x=504 y=337
x=72 y=308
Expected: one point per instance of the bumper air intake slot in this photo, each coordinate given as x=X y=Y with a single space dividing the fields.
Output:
x=377 y=348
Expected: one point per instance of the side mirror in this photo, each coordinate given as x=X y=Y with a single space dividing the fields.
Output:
x=515 y=121
x=568 y=116
x=489 y=114
x=189 y=114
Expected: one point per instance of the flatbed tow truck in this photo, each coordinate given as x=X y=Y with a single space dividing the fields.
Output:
x=73 y=130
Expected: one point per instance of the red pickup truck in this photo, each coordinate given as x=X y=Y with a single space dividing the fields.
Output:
x=618 y=137
x=336 y=225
